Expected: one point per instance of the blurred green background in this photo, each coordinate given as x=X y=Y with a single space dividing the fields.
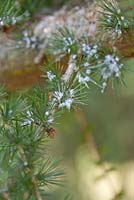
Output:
x=96 y=143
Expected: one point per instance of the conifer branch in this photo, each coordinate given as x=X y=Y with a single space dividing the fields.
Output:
x=27 y=119
x=29 y=171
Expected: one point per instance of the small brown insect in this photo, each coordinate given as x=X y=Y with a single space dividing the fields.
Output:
x=51 y=133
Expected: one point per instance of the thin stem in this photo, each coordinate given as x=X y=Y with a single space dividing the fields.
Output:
x=70 y=69
x=34 y=181
x=37 y=193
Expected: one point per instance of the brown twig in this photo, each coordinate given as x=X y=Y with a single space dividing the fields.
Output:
x=70 y=69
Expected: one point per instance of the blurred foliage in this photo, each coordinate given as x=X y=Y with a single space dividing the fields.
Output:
x=33 y=6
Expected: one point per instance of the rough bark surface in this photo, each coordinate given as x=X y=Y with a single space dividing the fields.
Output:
x=20 y=63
